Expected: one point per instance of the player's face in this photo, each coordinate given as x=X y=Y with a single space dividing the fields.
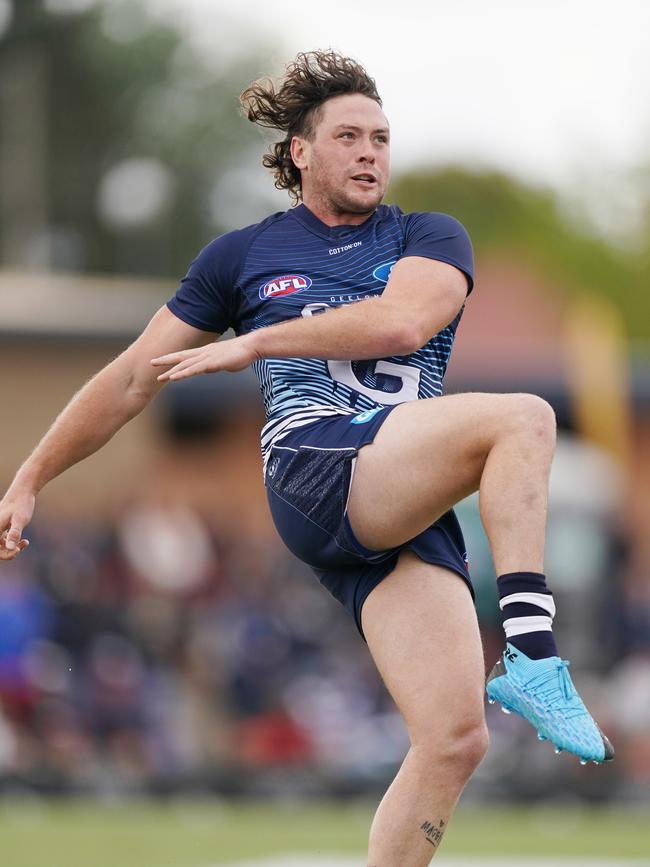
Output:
x=345 y=167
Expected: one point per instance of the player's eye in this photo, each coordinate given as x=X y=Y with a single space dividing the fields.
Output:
x=347 y=134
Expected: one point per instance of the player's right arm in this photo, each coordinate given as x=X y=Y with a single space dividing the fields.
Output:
x=112 y=397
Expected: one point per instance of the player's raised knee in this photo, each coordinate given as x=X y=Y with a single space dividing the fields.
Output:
x=534 y=415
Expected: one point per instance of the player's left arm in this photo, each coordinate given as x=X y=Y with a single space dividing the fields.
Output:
x=422 y=296
x=429 y=294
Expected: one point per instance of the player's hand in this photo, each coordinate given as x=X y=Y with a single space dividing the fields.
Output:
x=231 y=355
x=16 y=510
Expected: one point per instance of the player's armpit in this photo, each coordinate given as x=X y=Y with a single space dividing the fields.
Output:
x=164 y=334
x=426 y=293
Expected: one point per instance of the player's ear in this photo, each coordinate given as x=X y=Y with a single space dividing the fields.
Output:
x=299 y=152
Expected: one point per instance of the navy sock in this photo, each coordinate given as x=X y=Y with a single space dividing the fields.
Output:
x=528 y=610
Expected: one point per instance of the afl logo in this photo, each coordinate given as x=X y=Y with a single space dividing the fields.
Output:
x=382 y=272
x=285 y=285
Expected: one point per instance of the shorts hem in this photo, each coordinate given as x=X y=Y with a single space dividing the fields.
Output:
x=369 y=554
x=432 y=561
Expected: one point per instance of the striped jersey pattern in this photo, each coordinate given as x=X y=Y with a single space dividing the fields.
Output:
x=292 y=265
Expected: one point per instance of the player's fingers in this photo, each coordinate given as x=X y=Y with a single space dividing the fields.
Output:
x=180 y=366
x=170 y=358
x=196 y=365
x=190 y=370
x=8 y=549
x=13 y=535
x=173 y=357
x=20 y=517
x=11 y=555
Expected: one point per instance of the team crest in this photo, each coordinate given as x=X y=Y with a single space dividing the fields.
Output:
x=382 y=272
x=278 y=287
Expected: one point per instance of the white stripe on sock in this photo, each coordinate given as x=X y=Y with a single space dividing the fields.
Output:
x=520 y=625
x=542 y=600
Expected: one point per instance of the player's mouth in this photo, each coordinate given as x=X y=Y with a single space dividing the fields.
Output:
x=365 y=180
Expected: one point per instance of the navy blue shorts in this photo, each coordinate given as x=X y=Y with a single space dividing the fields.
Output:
x=308 y=478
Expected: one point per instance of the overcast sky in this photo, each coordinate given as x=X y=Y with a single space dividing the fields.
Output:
x=555 y=91
x=544 y=88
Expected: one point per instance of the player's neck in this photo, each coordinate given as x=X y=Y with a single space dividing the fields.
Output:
x=333 y=217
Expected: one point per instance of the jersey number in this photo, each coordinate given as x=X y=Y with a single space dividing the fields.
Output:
x=403 y=380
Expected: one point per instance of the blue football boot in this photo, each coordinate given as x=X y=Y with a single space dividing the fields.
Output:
x=541 y=691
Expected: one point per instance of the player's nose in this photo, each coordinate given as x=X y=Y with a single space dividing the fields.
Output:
x=366 y=154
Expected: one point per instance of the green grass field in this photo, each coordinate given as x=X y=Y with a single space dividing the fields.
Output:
x=202 y=834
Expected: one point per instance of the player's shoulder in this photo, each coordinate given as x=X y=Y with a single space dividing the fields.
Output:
x=432 y=221
x=434 y=224
x=236 y=242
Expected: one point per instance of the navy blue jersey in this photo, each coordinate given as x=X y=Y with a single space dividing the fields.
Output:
x=292 y=264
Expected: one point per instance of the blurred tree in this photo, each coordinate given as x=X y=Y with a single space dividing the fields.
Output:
x=112 y=138
x=120 y=151
x=504 y=215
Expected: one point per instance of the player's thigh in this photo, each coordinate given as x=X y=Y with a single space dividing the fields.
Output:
x=422 y=631
x=427 y=456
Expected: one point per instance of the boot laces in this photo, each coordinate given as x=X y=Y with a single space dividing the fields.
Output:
x=555 y=688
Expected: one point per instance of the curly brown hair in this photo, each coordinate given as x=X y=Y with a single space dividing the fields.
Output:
x=292 y=105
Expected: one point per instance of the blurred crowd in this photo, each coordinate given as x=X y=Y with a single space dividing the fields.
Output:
x=147 y=653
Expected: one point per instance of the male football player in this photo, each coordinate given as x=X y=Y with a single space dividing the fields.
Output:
x=347 y=309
